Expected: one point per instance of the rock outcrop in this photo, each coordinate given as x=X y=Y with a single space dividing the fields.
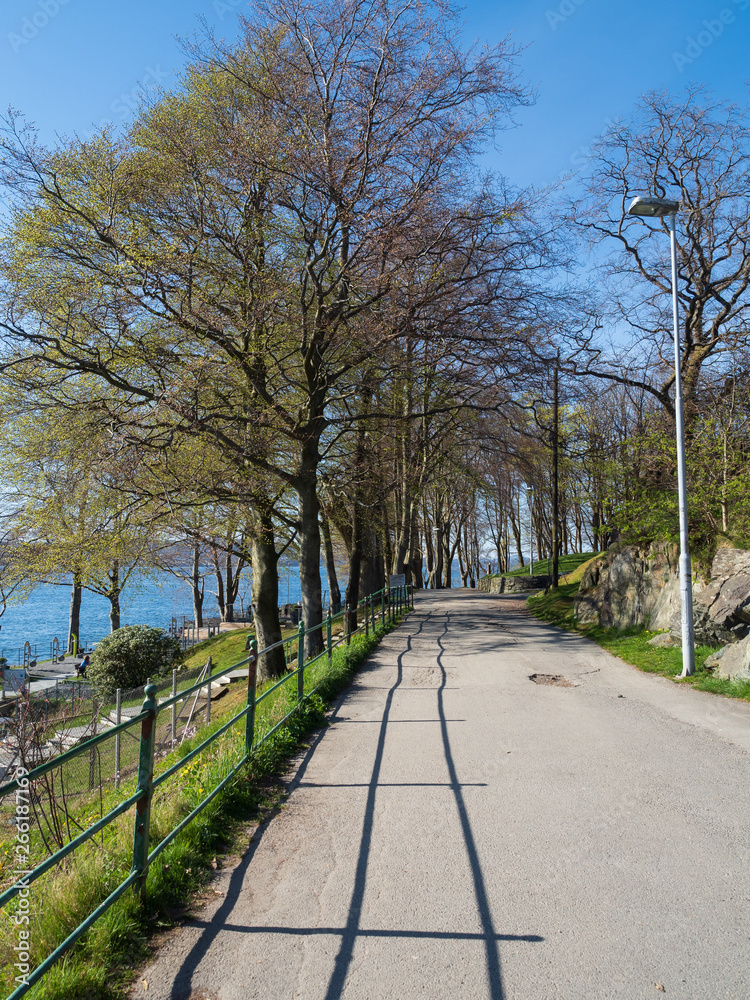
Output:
x=733 y=661
x=722 y=611
x=630 y=585
x=512 y=584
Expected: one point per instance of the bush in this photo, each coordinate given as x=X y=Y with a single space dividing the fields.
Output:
x=127 y=657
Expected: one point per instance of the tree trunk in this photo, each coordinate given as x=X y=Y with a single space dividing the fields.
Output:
x=413 y=568
x=266 y=597
x=357 y=523
x=333 y=582
x=74 y=618
x=355 y=559
x=439 y=550
x=724 y=504
x=385 y=543
x=371 y=565
x=197 y=586
x=515 y=524
x=219 y=581
x=114 y=597
x=309 y=549
x=445 y=538
x=555 y=483
x=463 y=567
x=429 y=550
x=231 y=589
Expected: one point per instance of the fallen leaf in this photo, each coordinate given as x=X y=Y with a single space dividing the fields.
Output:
x=144 y=983
x=660 y=987
x=214 y=863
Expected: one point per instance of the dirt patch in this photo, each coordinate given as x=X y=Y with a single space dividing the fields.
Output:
x=515 y=604
x=552 y=680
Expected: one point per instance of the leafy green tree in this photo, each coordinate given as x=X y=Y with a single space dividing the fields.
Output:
x=64 y=506
x=226 y=269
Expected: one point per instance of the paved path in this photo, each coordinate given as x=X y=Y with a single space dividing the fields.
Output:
x=460 y=833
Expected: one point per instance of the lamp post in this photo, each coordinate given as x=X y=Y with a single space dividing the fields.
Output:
x=662 y=208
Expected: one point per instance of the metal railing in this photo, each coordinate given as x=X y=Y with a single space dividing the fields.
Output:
x=386 y=604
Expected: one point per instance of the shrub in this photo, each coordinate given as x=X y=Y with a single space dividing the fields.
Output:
x=127 y=657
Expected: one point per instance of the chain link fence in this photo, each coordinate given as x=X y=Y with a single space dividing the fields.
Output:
x=46 y=725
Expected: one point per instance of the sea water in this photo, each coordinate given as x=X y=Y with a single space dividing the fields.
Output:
x=43 y=616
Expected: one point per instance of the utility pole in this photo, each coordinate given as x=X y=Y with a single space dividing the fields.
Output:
x=555 y=481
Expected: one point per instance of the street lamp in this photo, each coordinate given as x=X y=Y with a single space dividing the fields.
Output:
x=663 y=208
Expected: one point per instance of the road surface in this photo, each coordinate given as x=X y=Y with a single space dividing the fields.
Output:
x=462 y=832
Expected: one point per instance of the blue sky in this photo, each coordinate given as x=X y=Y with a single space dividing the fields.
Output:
x=71 y=65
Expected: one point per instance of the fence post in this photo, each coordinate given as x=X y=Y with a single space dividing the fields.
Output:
x=372 y=610
x=382 y=606
x=145 y=784
x=329 y=635
x=118 y=720
x=367 y=617
x=94 y=752
x=209 y=668
x=301 y=661
x=252 y=672
x=174 y=706
x=348 y=625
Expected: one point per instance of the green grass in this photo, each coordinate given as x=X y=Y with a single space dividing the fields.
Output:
x=100 y=966
x=568 y=563
x=631 y=645
x=225 y=650
x=228 y=648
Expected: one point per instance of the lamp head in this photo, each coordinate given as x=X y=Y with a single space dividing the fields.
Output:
x=653 y=208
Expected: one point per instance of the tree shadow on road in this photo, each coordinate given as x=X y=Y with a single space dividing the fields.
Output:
x=351 y=932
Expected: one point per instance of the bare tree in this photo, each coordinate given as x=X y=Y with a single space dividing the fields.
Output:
x=695 y=150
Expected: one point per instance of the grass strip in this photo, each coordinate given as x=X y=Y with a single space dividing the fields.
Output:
x=632 y=645
x=100 y=965
x=543 y=567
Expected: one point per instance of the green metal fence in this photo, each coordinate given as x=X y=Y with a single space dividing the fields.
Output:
x=29 y=788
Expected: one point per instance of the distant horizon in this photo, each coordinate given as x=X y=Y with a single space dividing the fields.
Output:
x=43 y=616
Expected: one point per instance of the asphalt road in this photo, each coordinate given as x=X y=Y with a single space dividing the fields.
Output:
x=462 y=832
